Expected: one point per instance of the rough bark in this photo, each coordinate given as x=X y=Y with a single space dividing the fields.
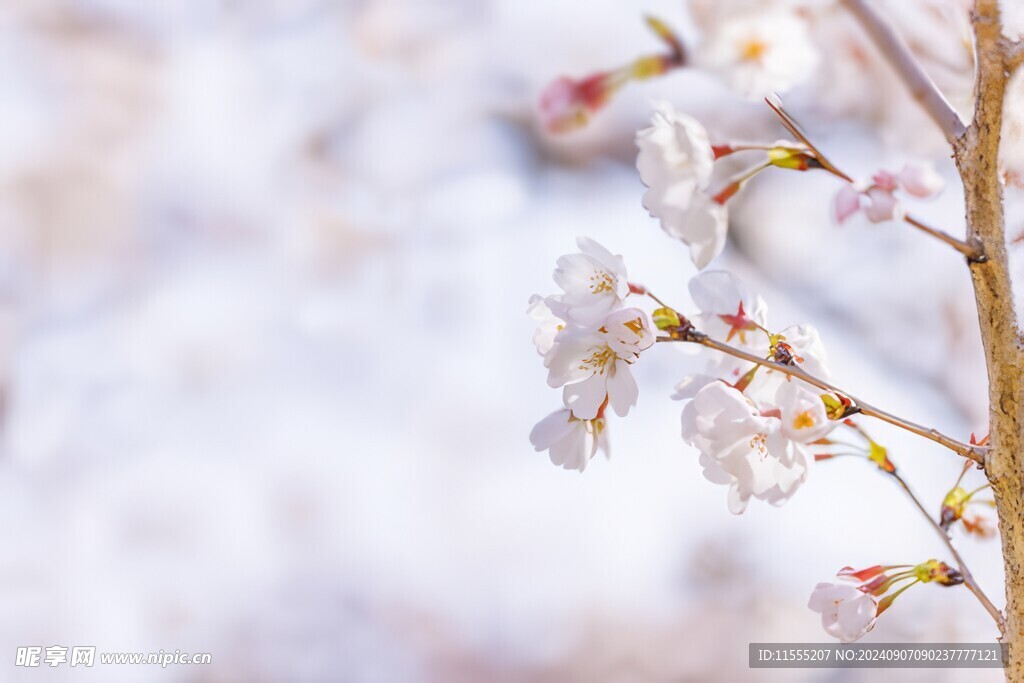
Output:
x=977 y=156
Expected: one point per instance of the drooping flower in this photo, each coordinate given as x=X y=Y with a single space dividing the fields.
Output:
x=674 y=151
x=571 y=442
x=761 y=53
x=592 y=363
x=675 y=162
x=593 y=284
x=742 y=448
x=847 y=613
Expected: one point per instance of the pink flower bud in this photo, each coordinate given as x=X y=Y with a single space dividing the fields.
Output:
x=885 y=181
x=920 y=180
x=882 y=205
x=847 y=203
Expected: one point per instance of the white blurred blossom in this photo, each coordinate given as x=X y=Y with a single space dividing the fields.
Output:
x=760 y=53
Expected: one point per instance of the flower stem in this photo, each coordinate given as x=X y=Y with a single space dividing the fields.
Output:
x=975 y=453
x=969 y=581
x=972 y=249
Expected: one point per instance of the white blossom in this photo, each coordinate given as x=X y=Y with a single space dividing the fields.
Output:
x=593 y=284
x=729 y=310
x=570 y=441
x=803 y=414
x=847 y=613
x=592 y=363
x=742 y=448
x=548 y=324
x=732 y=312
x=675 y=162
x=760 y=53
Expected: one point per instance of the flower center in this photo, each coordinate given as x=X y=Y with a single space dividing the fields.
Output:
x=601 y=282
x=804 y=420
x=753 y=50
x=636 y=326
x=598 y=359
x=760 y=443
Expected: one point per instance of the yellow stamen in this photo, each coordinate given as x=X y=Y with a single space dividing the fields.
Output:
x=753 y=50
x=803 y=420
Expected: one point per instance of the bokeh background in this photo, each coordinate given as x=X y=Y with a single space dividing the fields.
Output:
x=266 y=372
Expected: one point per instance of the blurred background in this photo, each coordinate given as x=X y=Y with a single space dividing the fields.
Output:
x=267 y=378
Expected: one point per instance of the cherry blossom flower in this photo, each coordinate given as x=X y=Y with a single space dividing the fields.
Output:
x=593 y=283
x=729 y=310
x=803 y=414
x=878 y=200
x=733 y=313
x=761 y=53
x=592 y=363
x=548 y=324
x=570 y=441
x=742 y=448
x=675 y=162
x=847 y=613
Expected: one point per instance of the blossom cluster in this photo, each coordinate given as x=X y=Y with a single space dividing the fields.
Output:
x=588 y=339
x=752 y=425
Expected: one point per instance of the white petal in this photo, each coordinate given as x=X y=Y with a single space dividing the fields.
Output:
x=585 y=398
x=622 y=389
x=551 y=429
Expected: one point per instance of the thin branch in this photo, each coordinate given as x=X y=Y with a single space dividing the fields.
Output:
x=922 y=87
x=975 y=453
x=972 y=249
x=969 y=581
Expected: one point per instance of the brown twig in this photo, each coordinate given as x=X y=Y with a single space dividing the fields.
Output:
x=969 y=581
x=972 y=249
x=975 y=453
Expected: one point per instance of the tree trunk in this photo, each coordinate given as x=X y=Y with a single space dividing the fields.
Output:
x=977 y=156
